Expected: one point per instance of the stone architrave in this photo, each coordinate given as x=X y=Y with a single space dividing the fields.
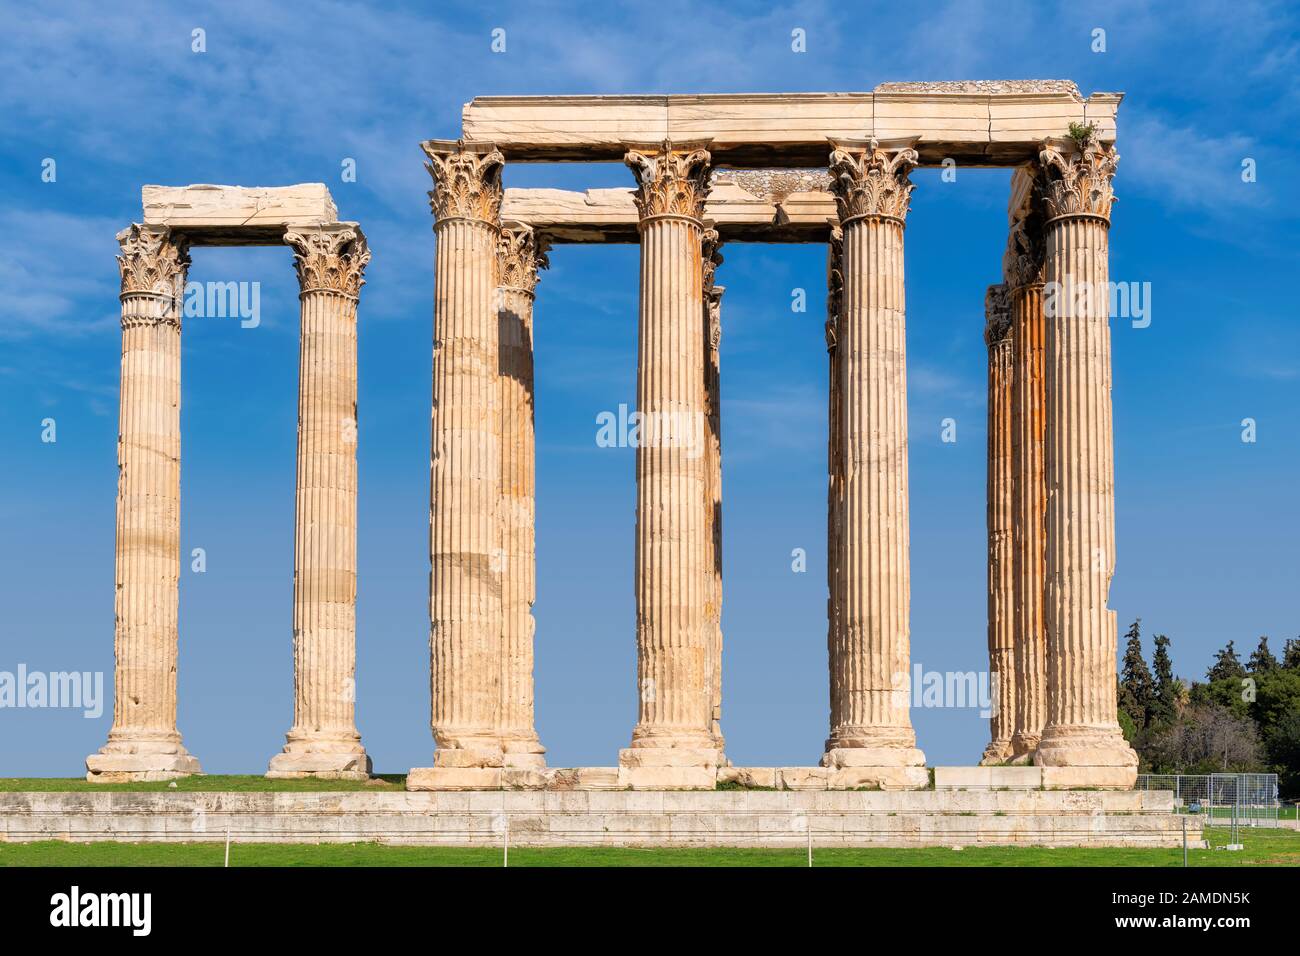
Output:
x=520 y=254
x=330 y=261
x=1022 y=268
x=871 y=739
x=673 y=744
x=143 y=743
x=466 y=558
x=1082 y=744
x=1001 y=585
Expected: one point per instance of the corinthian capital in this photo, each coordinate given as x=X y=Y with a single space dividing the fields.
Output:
x=997 y=314
x=466 y=179
x=332 y=258
x=671 y=181
x=1078 y=178
x=1022 y=263
x=520 y=253
x=870 y=180
x=153 y=260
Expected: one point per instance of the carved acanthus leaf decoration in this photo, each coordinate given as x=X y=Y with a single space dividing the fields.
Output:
x=710 y=257
x=153 y=260
x=871 y=181
x=997 y=314
x=713 y=304
x=466 y=181
x=1022 y=263
x=1078 y=178
x=521 y=252
x=672 y=181
x=330 y=258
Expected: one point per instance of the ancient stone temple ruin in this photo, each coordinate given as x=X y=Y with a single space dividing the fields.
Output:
x=708 y=170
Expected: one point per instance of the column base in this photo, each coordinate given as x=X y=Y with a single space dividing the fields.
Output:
x=1086 y=758
x=336 y=756
x=478 y=767
x=1023 y=746
x=876 y=768
x=997 y=753
x=124 y=761
x=523 y=753
x=468 y=758
x=454 y=778
x=1089 y=778
x=837 y=757
x=322 y=766
x=669 y=768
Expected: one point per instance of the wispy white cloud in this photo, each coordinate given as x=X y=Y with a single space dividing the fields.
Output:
x=1188 y=167
x=61 y=262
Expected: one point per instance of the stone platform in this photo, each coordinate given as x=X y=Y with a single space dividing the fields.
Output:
x=614 y=818
x=448 y=778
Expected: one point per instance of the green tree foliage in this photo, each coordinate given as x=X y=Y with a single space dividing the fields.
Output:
x=1226 y=664
x=1242 y=718
x=1167 y=688
x=1206 y=738
x=1282 y=744
x=1261 y=659
x=1136 y=688
x=1126 y=725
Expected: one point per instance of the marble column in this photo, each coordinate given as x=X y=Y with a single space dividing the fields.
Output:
x=834 y=454
x=1001 y=582
x=711 y=258
x=673 y=744
x=871 y=738
x=323 y=742
x=1081 y=744
x=521 y=253
x=1023 y=273
x=143 y=743
x=465 y=541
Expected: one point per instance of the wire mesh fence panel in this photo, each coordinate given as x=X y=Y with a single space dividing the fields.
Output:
x=1249 y=799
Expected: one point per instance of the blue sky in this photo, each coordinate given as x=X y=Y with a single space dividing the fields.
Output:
x=1207 y=524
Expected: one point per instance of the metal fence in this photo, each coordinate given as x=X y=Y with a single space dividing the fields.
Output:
x=1226 y=799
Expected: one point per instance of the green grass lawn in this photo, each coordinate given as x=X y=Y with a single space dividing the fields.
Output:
x=1264 y=847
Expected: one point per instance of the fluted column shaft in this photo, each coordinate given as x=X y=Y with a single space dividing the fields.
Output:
x=520 y=254
x=712 y=329
x=869 y=650
x=834 y=453
x=1029 y=508
x=1082 y=729
x=675 y=634
x=465 y=605
x=324 y=741
x=143 y=743
x=1001 y=581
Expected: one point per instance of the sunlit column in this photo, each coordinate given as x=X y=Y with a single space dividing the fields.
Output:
x=712 y=328
x=330 y=261
x=1082 y=736
x=871 y=730
x=144 y=743
x=465 y=601
x=1023 y=272
x=1001 y=585
x=673 y=743
x=521 y=253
